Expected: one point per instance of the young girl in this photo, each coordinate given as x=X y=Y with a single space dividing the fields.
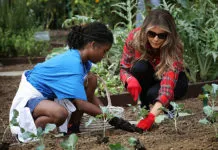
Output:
x=67 y=79
x=152 y=64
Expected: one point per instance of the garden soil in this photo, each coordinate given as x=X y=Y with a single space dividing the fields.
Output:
x=191 y=136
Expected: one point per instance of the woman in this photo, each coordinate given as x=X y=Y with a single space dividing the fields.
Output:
x=152 y=64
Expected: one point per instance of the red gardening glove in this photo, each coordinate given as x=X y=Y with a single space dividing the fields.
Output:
x=147 y=122
x=134 y=88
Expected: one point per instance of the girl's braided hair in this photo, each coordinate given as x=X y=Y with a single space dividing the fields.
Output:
x=80 y=35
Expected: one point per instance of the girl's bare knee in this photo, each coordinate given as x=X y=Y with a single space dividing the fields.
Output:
x=60 y=116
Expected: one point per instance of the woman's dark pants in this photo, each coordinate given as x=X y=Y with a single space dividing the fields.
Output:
x=143 y=71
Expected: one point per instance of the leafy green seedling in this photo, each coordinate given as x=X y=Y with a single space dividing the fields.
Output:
x=105 y=116
x=209 y=97
x=14 y=118
x=13 y=121
x=111 y=80
x=133 y=142
x=141 y=111
x=136 y=143
x=70 y=143
x=117 y=146
x=176 y=112
x=29 y=135
x=40 y=135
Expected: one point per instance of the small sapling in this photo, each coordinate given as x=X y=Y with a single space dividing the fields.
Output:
x=209 y=98
x=39 y=136
x=175 y=113
x=133 y=142
x=105 y=116
x=70 y=143
x=141 y=111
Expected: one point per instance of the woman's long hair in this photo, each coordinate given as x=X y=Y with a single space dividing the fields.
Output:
x=172 y=48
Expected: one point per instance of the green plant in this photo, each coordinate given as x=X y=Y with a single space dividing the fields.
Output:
x=17 y=22
x=112 y=80
x=126 y=11
x=176 y=112
x=105 y=116
x=56 y=51
x=16 y=15
x=198 y=30
x=98 y=10
x=141 y=111
x=7 y=47
x=133 y=142
x=22 y=43
x=18 y=25
x=136 y=143
x=76 y=20
x=50 y=14
x=209 y=106
x=117 y=146
x=31 y=136
x=26 y=45
x=70 y=143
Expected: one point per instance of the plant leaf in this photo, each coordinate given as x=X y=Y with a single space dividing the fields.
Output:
x=15 y=113
x=207 y=88
x=104 y=109
x=59 y=135
x=70 y=143
x=22 y=130
x=182 y=114
x=14 y=122
x=132 y=141
x=14 y=118
x=91 y=119
x=215 y=88
x=160 y=118
x=174 y=105
x=28 y=135
x=117 y=146
x=41 y=147
x=204 y=121
x=208 y=111
x=39 y=132
x=49 y=127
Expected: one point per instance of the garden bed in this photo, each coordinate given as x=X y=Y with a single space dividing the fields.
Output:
x=192 y=135
x=22 y=61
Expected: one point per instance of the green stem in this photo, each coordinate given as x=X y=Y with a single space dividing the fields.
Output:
x=104 y=128
x=215 y=129
x=204 y=65
x=4 y=134
x=29 y=60
x=175 y=123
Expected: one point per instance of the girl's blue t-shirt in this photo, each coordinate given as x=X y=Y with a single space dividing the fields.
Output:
x=61 y=76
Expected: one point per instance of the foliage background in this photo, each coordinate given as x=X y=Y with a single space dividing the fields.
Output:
x=198 y=30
